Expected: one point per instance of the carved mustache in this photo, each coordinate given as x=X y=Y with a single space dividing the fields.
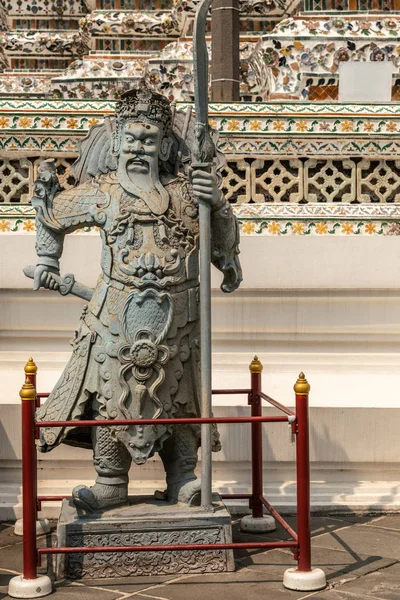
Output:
x=137 y=159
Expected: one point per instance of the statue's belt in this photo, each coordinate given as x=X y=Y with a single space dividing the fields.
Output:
x=171 y=288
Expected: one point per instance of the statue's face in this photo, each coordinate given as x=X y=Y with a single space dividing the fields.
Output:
x=140 y=147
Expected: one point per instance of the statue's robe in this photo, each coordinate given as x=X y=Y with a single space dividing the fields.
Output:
x=136 y=351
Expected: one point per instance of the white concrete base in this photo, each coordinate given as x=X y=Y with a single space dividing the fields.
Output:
x=30 y=588
x=42 y=527
x=304 y=581
x=252 y=524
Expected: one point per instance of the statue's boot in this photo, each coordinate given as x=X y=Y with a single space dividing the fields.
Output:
x=100 y=496
x=187 y=492
x=179 y=456
x=112 y=462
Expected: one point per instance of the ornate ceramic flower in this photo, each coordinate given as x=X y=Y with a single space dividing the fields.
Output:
x=129 y=23
x=391 y=24
x=342 y=55
x=365 y=26
x=154 y=77
x=271 y=57
x=338 y=24
x=118 y=65
x=378 y=55
x=312 y=25
x=27 y=81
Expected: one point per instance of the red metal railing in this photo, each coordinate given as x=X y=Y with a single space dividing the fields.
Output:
x=298 y=421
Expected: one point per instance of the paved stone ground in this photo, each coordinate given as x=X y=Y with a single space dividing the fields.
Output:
x=360 y=556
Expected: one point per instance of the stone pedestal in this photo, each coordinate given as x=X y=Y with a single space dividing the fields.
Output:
x=145 y=521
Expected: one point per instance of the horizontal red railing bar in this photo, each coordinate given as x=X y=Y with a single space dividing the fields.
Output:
x=52 y=498
x=236 y=496
x=193 y=421
x=216 y=392
x=223 y=496
x=166 y=548
x=278 y=405
x=279 y=518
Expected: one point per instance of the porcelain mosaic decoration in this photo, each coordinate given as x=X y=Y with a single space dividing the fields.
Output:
x=256 y=219
x=45 y=7
x=171 y=73
x=45 y=43
x=94 y=77
x=307 y=45
x=36 y=42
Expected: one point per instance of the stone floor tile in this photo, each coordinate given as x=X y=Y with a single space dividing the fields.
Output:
x=7 y=537
x=11 y=556
x=337 y=564
x=63 y=593
x=383 y=584
x=341 y=566
x=319 y=525
x=5 y=577
x=363 y=539
x=270 y=558
x=358 y=554
x=355 y=518
x=82 y=592
x=335 y=594
x=125 y=585
x=386 y=521
x=245 y=584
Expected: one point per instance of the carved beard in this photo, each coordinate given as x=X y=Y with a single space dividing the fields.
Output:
x=146 y=186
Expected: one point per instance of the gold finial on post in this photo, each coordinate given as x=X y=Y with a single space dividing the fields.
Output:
x=302 y=387
x=255 y=365
x=28 y=391
x=30 y=367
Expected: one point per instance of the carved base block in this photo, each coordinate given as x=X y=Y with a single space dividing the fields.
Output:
x=145 y=521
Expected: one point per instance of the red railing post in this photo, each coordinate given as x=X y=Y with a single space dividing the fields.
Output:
x=29 y=585
x=304 y=578
x=302 y=390
x=256 y=440
x=28 y=396
x=31 y=376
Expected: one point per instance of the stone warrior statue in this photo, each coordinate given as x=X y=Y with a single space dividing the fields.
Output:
x=136 y=351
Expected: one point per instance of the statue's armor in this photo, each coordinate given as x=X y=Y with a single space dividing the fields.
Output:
x=135 y=353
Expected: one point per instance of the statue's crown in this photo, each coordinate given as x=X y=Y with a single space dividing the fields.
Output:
x=146 y=106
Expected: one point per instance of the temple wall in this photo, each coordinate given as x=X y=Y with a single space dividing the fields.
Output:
x=325 y=305
x=315 y=186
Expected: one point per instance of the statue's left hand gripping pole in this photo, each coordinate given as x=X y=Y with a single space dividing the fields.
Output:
x=29 y=584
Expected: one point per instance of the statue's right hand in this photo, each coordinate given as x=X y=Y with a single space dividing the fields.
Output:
x=44 y=276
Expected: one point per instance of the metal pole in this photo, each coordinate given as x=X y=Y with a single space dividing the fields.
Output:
x=28 y=395
x=203 y=154
x=302 y=389
x=205 y=352
x=256 y=440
